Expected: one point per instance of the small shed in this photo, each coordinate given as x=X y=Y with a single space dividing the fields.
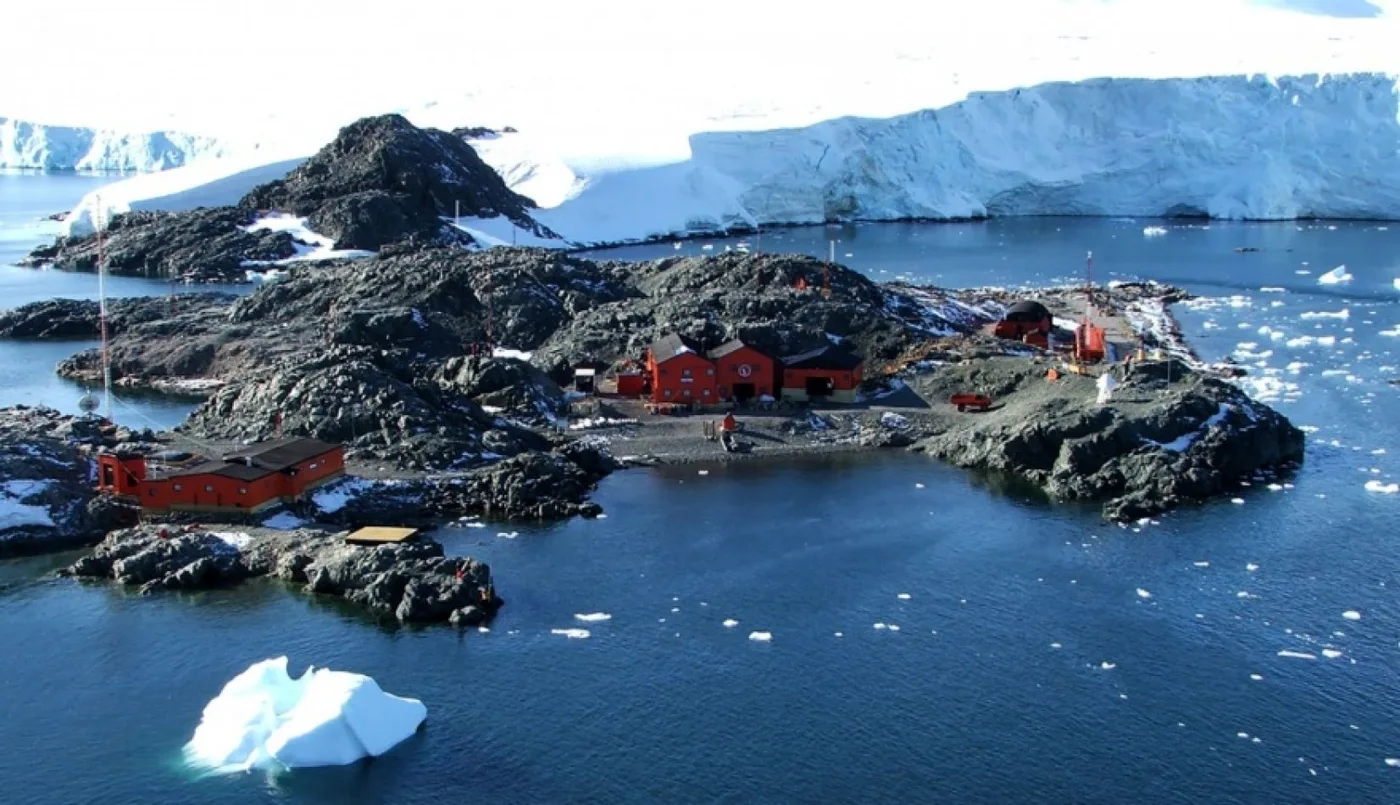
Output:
x=631 y=383
x=380 y=535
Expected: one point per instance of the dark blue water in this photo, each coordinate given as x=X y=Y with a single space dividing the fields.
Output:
x=993 y=689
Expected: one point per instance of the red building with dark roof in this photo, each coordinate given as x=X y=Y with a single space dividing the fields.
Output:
x=742 y=372
x=680 y=373
x=829 y=374
x=248 y=480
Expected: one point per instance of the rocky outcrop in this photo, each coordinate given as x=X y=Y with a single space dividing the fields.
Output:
x=383 y=179
x=532 y=485
x=412 y=582
x=1153 y=447
x=56 y=319
x=47 y=475
x=204 y=245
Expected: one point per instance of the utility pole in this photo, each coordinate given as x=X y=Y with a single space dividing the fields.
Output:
x=457 y=214
x=102 y=308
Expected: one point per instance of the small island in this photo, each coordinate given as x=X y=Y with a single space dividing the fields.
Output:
x=507 y=382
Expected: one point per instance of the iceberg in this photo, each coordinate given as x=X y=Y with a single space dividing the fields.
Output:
x=37 y=146
x=263 y=718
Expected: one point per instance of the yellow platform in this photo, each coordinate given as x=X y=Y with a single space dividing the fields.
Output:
x=380 y=535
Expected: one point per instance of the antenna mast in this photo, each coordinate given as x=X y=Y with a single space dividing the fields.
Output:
x=826 y=271
x=1089 y=285
x=102 y=309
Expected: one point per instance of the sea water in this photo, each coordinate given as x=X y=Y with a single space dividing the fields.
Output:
x=1027 y=663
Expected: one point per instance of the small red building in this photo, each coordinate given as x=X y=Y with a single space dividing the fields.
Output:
x=829 y=374
x=1023 y=318
x=248 y=480
x=743 y=373
x=679 y=373
x=630 y=384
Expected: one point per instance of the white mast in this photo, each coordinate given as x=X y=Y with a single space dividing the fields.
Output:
x=102 y=309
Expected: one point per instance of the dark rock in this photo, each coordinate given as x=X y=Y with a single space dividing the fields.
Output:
x=386 y=166
x=412 y=582
x=47 y=479
x=1150 y=449
x=204 y=245
x=81 y=319
x=374 y=218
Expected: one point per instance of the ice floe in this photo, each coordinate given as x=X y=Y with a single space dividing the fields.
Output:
x=1352 y=615
x=1336 y=276
x=1382 y=488
x=265 y=719
x=903 y=596
x=730 y=623
x=1297 y=655
x=762 y=637
x=592 y=617
x=1143 y=593
x=572 y=634
x=1153 y=231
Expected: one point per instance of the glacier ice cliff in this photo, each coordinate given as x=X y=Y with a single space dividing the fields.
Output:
x=1237 y=147
x=35 y=145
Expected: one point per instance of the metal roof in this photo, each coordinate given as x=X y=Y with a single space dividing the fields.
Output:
x=728 y=348
x=241 y=472
x=827 y=357
x=281 y=453
x=669 y=346
x=1029 y=307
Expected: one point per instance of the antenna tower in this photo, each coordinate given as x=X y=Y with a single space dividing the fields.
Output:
x=102 y=308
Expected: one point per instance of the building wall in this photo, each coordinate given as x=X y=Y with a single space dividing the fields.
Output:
x=764 y=375
x=127 y=474
x=844 y=383
x=684 y=378
x=630 y=385
x=313 y=472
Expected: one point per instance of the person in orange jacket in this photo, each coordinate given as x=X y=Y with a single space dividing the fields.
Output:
x=729 y=422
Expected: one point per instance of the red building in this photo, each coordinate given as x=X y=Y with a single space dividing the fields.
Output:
x=679 y=373
x=829 y=374
x=742 y=372
x=248 y=480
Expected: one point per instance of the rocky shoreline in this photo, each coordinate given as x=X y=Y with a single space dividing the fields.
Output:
x=410 y=582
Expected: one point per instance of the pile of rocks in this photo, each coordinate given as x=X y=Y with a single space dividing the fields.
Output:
x=412 y=582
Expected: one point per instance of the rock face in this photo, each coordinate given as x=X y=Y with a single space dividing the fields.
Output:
x=1153 y=447
x=47 y=501
x=383 y=179
x=529 y=486
x=204 y=245
x=412 y=582
x=382 y=182
x=80 y=319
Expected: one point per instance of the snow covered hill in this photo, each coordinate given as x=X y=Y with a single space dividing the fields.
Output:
x=35 y=145
x=1228 y=147
x=1243 y=147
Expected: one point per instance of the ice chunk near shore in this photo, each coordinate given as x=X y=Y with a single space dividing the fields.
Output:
x=1154 y=231
x=572 y=634
x=265 y=719
x=761 y=637
x=1336 y=276
x=1352 y=615
x=592 y=617
x=1382 y=488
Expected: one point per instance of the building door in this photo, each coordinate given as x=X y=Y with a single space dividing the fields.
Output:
x=109 y=478
x=743 y=392
x=819 y=386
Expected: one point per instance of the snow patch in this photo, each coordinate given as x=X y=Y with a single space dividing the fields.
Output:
x=310 y=246
x=14 y=514
x=337 y=496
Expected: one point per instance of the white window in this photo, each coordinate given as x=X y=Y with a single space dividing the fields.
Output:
x=208 y=487
x=179 y=488
x=685 y=392
x=313 y=465
x=710 y=371
x=667 y=392
x=242 y=490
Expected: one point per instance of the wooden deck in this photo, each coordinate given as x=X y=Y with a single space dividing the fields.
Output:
x=380 y=535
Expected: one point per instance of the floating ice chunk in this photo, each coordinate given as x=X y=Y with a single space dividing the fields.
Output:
x=508 y=534
x=1344 y=313
x=918 y=486
x=1055 y=645
x=1379 y=451
x=1394 y=762
x=1382 y=489
x=1244 y=735
x=1251 y=567
x=1143 y=593
x=265 y=719
x=1107 y=666
x=1275 y=487
x=1352 y=615
x=1336 y=276
x=894 y=627
x=1331 y=653
x=762 y=637
x=730 y=623
x=1256 y=677
x=572 y=634
x=1297 y=655
x=881 y=626
x=1237 y=501
x=1153 y=231
x=703 y=472
x=1201 y=564
x=903 y=596
x=838 y=634
x=1271 y=289
x=592 y=617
